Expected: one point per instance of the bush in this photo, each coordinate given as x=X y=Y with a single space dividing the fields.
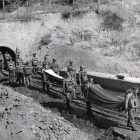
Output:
x=45 y=40
x=25 y=17
x=79 y=13
x=112 y=21
x=65 y=15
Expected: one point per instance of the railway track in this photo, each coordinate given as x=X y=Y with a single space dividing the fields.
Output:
x=112 y=115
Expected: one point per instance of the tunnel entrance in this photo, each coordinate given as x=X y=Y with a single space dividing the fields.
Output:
x=4 y=49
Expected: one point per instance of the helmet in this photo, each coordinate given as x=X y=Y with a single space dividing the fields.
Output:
x=54 y=59
x=71 y=61
x=135 y=88
x=81 y=67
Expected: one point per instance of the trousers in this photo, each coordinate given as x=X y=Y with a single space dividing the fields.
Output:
x=131 y=120
x=28 y=79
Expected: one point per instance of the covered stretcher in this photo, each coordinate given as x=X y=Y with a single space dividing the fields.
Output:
x=53 y=79
x=105 y=98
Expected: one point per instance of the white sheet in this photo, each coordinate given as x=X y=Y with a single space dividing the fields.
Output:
x=51 y=72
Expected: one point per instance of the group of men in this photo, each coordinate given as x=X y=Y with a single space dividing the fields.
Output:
x=18 y=71
x=22 y=72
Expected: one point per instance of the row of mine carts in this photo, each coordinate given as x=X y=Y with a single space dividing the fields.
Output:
x=104 y=103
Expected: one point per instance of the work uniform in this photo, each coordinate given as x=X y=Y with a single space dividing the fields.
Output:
x=131 y=112
x=55 y=67
x=1 y=61
x=69 y=89
x=28 y=75
x=7 y=59
x=11 y=69
x=46 y=66
x=72 y=71
x=17 y=52
x=82 y=77
x=19 y=61
x=34 y=65
x=20 y=73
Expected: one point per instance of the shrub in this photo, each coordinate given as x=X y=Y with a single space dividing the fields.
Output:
x=25 y=17
x=65 y=15
x=112 y=21
x=79 y=13
x=45 y=40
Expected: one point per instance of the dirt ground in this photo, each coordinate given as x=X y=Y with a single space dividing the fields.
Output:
x=27 y=119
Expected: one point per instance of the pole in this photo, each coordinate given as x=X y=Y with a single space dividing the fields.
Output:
x=27 y=10
x=3 y=9
x=99 y=6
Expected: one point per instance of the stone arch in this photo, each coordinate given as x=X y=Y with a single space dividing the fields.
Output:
x=5 y=49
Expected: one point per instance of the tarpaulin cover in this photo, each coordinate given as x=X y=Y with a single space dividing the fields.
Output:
x=105 y=98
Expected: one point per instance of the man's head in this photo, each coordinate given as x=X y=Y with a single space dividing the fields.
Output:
x=46 y=57
x=81 y=68
x=54 y=60
x=91 y=80
x=0 y=52
x=34 y=54
x=71 y=62
x=18 y=62
x=135 y=90
x=129 y=91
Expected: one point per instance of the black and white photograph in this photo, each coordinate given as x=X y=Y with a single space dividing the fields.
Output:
x=69 y=69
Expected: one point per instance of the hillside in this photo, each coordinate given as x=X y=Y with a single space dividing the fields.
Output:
x=23 y=118
x=106 y=42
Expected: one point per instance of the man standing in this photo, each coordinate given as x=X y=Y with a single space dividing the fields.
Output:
x=1 y=61
x=11 y=69
x=69 y=89
x=71 y=70
x=19 y=60
x=34 y=64
x=54 y=66
x=28 y=74
x=46 y=62
x=20 y=73
x=82 y=78
x=131 y=105
x=7 y=59
x=46 y=66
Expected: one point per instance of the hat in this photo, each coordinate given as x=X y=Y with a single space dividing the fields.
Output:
x=54 y=59
x=81 y=67
x=135 y=88
x=129 y=91
x=71 y=61
x=34 y=53
x=46 y=56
